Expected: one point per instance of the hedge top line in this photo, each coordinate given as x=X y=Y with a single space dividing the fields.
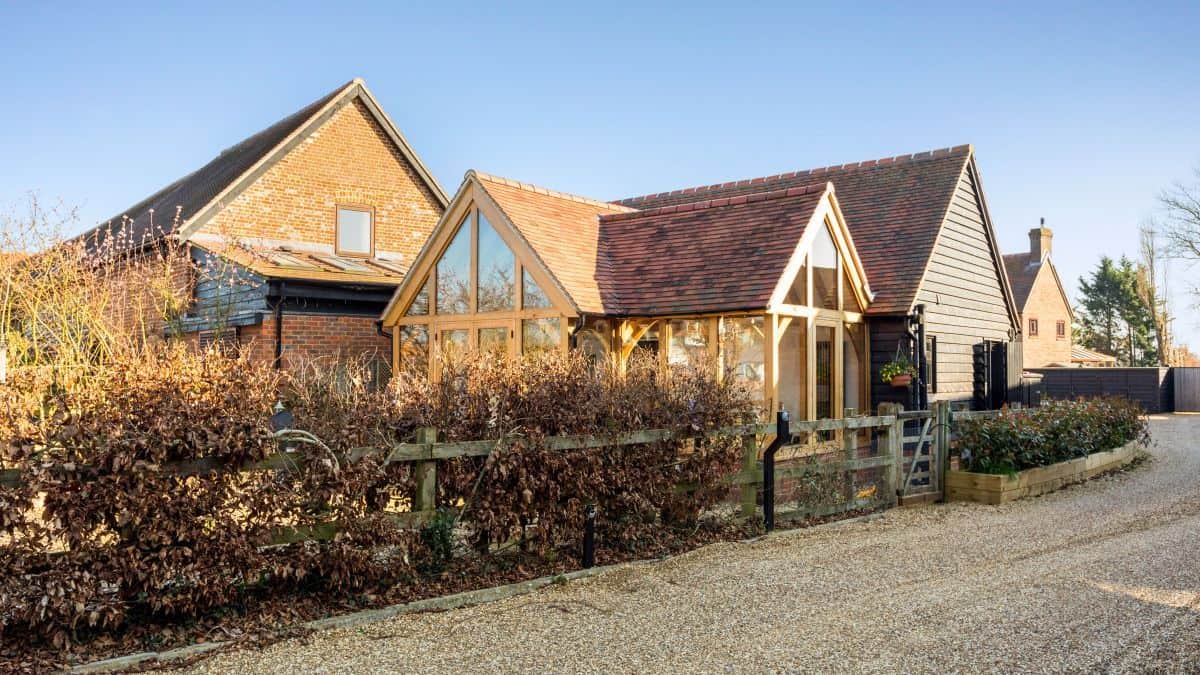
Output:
x=416 y=452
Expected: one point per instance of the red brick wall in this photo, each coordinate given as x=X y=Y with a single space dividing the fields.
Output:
x=313 y=336
x=349 y=160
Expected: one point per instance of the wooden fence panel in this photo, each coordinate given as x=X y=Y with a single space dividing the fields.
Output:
x=1187 y=389
x=426 y=452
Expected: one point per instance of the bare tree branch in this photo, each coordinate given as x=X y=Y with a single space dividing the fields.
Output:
x=1181 y=215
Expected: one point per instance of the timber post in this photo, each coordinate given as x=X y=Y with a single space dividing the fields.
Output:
x=894 y=446
x=942 y=418
x=425 y=475
x=850 y=448
x=749 y=501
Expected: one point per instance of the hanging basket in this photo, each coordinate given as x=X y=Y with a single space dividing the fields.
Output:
x=901 y=381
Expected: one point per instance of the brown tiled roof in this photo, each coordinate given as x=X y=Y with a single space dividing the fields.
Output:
x=724 y=254
x=194 y=191
x=894 y=208
x=1022 y=272
x=562 y=229
x=718 y=255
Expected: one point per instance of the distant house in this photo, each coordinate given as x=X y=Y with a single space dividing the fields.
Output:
x=1045 y=310
x=805 y=284
x=313 y=222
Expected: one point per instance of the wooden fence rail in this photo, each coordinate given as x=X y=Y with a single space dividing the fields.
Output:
x=427 y=451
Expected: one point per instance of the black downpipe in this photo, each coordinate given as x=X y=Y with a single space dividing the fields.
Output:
x=783 y=434
x=922 y=365
x=279 y=328
x=919 y=395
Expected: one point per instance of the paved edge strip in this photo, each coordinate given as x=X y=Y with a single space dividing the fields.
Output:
x=444 y=602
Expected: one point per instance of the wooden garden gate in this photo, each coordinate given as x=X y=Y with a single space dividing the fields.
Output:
x=922 y=453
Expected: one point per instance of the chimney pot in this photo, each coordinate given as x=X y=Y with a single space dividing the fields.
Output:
x=1040 y=242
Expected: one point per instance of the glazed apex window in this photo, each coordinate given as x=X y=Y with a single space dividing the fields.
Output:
x=1060 y=329
x=1033 y=327
x=824 y=260
x=355 y=230
x=454 y=273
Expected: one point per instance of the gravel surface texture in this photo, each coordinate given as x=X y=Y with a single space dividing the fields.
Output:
x=1102 y=576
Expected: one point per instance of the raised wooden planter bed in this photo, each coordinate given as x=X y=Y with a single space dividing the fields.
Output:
x=990 y=488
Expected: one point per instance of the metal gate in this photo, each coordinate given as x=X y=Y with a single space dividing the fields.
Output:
x=1187 y=389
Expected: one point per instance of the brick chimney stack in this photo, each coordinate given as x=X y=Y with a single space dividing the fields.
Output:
x=1040 y=242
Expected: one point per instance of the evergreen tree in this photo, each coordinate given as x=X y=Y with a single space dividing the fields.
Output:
x=1113 y=315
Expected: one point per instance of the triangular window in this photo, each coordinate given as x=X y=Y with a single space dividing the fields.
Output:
x=849 y=297
x=798 y=293
x=420 y=304
x=533 y=296
x=824 y=260
x=495 y=271
x=454 y=273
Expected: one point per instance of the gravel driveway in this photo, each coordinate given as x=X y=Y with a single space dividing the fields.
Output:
x=1096 y=577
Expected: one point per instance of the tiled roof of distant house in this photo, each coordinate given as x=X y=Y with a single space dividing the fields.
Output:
x=1022 y=272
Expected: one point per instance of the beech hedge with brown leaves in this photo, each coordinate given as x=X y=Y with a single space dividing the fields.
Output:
x=131 y=504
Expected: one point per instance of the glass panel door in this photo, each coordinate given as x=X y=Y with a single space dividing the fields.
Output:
x=825 y=377
x=793 y=367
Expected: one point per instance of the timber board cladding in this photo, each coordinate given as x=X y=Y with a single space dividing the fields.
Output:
x=963 y=294
x=964 y=304
x=987 y=488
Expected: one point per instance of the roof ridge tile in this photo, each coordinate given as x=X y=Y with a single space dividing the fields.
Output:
x=720 y=202
x=912 y=157
x=537 y=189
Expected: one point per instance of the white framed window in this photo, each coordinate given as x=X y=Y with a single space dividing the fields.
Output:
x=355 y=230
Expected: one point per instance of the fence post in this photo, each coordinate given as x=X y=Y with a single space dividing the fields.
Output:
x=850 y=449
x=425 y=475
x=750 y=469
x=893 y=445
x=942 y=419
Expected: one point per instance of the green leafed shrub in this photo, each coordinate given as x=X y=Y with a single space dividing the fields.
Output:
x=1056 y=431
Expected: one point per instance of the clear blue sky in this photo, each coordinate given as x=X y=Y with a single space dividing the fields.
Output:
x=1079 y=113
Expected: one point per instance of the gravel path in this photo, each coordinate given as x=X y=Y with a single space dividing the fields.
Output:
x=1096 y=577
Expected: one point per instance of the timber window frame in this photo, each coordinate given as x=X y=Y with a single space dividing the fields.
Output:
x=471 y=207
x=1033 y=328
x=339 y=227
x=1060 y=330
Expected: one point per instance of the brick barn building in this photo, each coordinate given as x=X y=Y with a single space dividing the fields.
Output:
x=312 y=223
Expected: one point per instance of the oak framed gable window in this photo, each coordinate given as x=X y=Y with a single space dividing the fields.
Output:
x=1060 y=329
x=355 y=230
x=1033 y=327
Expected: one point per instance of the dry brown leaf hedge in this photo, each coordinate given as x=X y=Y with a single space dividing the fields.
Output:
x=130 y=505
